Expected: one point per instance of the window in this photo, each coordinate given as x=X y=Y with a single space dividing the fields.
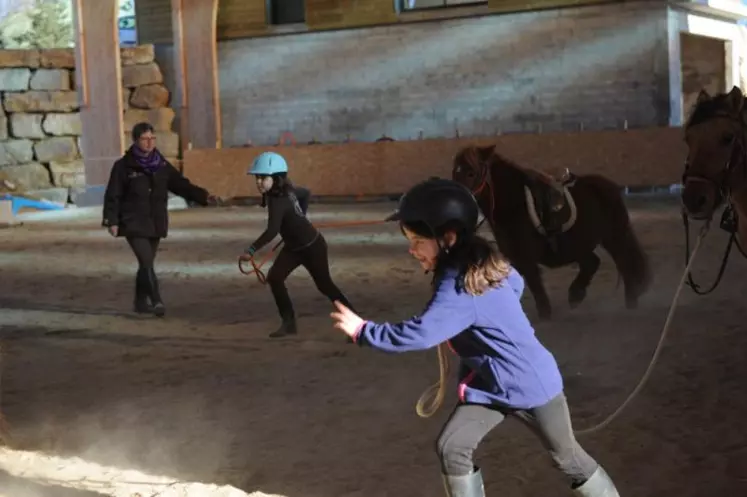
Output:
x=437 y=4
x=127 y=30
x=287 y=11
x=127 y=22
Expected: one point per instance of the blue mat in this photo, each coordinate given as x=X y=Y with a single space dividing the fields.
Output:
x=18 y=203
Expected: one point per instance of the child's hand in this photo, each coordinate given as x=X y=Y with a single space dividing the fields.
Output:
x=247 y=255
x=347 y=320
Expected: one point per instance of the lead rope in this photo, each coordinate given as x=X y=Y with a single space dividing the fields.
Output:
x=724 y=261
x=257 y=266
x=443 y=359
x=438 y=389
x=659 y=346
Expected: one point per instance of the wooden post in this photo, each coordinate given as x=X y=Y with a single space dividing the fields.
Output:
x=196 y=65
x=99 y=81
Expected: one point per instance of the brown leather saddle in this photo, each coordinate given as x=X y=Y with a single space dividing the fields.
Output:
x=550 y=203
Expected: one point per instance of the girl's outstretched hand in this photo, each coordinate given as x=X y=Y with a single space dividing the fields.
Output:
x=347 y=320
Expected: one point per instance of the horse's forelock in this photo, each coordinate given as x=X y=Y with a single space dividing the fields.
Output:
x=471 y=156
x=707 y=109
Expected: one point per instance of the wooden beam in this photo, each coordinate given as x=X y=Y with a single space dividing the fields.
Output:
x=196 y=64
x=236 y=19
x=324 y=13
x=528 y=5
x=99 y=82
x=241 y=18
x=153 y=21
x=368 y=12
x=330 y=14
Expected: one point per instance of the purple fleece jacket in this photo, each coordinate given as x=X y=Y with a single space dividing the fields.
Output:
x=502 y=361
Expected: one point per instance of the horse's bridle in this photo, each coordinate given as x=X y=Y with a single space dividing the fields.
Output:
x=737 y=156
x=486 y=181
x=721 y=182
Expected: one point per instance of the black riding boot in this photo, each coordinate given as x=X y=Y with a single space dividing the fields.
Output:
x=155 y=295
x=142 y=293
x=470 y=485
x=288 y=327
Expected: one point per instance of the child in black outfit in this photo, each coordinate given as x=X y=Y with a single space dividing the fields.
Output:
x=303 y=245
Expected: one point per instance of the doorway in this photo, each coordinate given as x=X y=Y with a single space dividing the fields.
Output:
x=703 y=67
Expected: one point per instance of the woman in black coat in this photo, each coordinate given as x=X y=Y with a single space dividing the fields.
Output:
x=135 y=207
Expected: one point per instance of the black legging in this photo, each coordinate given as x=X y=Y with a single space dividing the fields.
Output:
x=314 y=259
x=146 y=283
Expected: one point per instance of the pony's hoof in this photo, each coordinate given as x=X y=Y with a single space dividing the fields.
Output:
x=576 y=296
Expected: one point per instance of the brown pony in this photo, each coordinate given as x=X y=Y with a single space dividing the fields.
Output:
x=716 y=169
x=532 y=227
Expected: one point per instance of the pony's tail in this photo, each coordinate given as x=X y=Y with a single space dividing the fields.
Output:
x=624 y=247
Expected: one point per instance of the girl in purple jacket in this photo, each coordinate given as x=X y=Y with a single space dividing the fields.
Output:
x=504 y=370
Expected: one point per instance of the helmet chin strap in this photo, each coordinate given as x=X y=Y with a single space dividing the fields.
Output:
x=442 y=250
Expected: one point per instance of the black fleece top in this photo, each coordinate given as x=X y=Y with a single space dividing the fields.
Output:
x=287 y=217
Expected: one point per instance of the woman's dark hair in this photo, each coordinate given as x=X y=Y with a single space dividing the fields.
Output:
x=281 y=187
x=140 y=129
x=479 y=265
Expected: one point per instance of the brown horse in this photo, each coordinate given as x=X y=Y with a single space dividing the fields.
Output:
x=716 y=168
x=533 y=228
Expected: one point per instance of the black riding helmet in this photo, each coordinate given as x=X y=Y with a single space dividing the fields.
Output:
x=437 y=202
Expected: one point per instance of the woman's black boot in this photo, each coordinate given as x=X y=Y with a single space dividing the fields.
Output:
x=142 y=293
x=155 y=295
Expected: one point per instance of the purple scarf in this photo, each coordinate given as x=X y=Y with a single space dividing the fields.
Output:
x=148 y=161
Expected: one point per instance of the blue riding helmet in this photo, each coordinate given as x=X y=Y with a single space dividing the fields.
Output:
x=268 y=163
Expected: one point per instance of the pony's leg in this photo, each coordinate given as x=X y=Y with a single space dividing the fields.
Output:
x=587 y=268
x=533 y=278
x=632 y=265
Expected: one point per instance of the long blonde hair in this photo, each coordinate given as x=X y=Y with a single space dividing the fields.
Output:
x=481 y=266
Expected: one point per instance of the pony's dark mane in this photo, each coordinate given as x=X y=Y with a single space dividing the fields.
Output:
x=471 y=156
x=707 y=109
x=500 y=160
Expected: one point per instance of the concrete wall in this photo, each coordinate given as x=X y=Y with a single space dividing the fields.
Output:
x=646 y=157
x=555 y=70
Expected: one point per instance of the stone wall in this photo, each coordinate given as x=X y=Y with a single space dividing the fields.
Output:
x=40 y=124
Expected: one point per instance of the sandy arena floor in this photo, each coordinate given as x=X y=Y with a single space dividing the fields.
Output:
x=204 y=396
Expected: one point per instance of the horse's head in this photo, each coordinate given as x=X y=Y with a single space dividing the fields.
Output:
x=471 y=167
x=715 y=138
